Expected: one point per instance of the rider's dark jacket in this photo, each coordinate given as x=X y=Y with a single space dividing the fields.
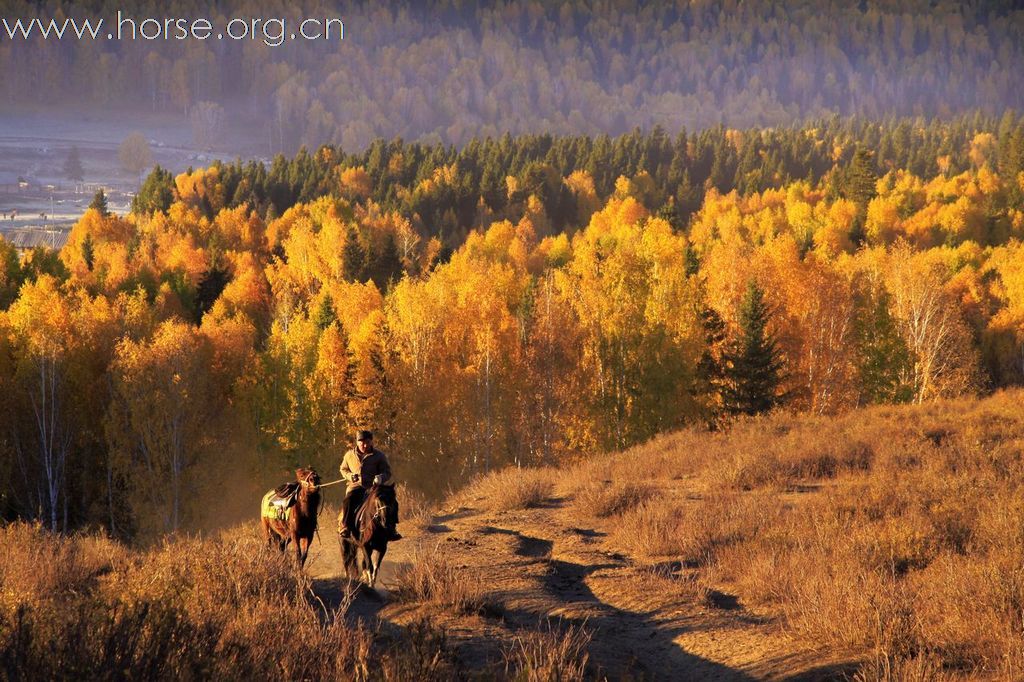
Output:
x=367 y=466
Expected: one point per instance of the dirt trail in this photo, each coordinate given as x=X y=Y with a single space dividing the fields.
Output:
x=551 y=563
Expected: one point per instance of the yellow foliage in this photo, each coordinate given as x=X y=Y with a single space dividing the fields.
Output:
x=203 y=183
x=883 y=224
x=983 y=149
x=833 y=234
x=42 y=318
x=240 y=229
x=355 y=303
x=581 y=184
x=355 y=183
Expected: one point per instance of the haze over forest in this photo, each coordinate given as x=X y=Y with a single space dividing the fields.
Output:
x=444 y=71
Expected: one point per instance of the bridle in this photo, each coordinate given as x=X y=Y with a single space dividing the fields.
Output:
x=308 y=481
x=380 y=513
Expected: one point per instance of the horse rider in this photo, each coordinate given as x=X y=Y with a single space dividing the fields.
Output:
x=362 y=468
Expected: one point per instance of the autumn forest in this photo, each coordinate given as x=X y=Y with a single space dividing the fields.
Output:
x=524 y=300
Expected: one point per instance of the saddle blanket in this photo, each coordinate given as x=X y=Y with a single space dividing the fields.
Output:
x=277 y=503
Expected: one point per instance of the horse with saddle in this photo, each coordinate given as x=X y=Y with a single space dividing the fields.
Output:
x=369 y=515
x=368 y=520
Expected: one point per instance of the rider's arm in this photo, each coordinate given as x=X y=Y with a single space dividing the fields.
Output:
x=346 y=473
x=385 y=470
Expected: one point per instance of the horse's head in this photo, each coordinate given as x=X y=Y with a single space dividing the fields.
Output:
x=372 y=513
x=308 y=478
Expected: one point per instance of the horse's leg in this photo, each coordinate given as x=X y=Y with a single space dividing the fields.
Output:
x=304 y=543
x=378 y=560
x=265 y=523
x=348 y=557
x=353 y=559
x=367 y=568
x=344 y=554
x=273 y=534
x=374 y=563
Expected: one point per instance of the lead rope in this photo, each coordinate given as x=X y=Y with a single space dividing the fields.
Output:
x=320 y=509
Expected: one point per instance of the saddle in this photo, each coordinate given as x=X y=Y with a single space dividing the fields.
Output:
x=287 y=492
x=278 y=502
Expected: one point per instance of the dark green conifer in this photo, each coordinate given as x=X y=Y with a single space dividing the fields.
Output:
x=73 y=169
x=156 y=193
x=99 y=202
x=753 y=366
x=354 y=256
x=88 y=252
x=325 y=315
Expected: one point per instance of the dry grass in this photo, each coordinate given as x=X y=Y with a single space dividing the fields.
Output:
x=39 y=566
x=514 y=488
x=415 y=508
x=432 y=578
x=692 y=531
x=550 y=652
x=920 y=551
x=908 y=521
x=604 y=498
x=676 y=579
x=423 y=654
x=84 y=607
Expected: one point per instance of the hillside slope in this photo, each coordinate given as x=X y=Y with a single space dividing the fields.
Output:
x=646 y=620
x=885 y=542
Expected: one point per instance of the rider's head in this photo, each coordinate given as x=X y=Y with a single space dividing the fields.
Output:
x=364 y=441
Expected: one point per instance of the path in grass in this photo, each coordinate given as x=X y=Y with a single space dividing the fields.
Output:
x=552 y=564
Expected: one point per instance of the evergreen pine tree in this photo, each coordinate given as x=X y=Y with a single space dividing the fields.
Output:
x=860 y=189
x=753 y=365
x=861 y=178
x=883 y=357
x=692 y=261
x=325 y=315
x=710 y=367
x=99 y=202
x=385 y=262
x=73 y=166
x=667 y=212
x=210 y=287
x=354 y=257
x=88 y=252
x=156 y=192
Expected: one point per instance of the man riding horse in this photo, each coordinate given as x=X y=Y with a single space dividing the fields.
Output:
x=363 y=467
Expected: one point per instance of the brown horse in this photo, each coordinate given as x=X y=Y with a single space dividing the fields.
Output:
x=297 y=523
x=363 y=553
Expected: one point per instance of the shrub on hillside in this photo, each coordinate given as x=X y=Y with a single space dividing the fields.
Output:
x=514 y=488
x=431 y=577
x=85 y=607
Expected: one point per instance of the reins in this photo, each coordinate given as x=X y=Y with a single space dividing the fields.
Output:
x=320 y=508
x=324 y=485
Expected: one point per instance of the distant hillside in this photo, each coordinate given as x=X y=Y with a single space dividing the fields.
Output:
x=447 y=71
